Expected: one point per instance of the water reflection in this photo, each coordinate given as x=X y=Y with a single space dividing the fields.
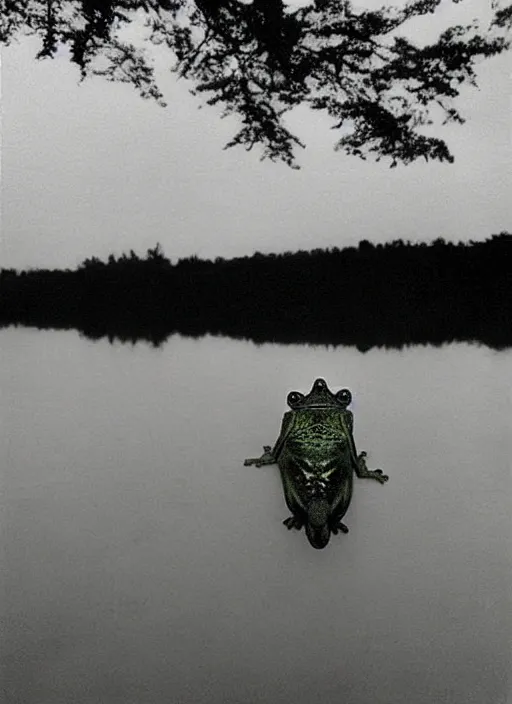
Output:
x=144 y=564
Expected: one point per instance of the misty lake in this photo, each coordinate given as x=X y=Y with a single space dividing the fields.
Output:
x=144 y=564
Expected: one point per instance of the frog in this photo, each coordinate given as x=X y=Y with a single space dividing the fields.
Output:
x=317 y=459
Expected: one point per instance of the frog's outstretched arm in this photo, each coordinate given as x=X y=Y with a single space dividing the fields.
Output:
x=363 y=471
x=359 y=462
x=266 y=458
x=270 y=456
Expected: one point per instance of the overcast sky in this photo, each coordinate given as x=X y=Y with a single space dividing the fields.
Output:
x=89 y=169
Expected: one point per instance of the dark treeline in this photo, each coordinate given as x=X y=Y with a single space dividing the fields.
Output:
x=373 y=295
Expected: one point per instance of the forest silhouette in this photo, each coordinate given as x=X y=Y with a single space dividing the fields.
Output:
x=384 y=295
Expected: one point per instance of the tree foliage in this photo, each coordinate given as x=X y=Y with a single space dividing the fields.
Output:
x=259 y=59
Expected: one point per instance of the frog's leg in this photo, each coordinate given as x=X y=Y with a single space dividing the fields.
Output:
x=297 y=519
x=337 y=525
x=293 y=522
x=358 y=461
x=341 y=501
x=270 y=456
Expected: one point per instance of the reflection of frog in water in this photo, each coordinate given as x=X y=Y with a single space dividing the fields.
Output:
x=316 y=455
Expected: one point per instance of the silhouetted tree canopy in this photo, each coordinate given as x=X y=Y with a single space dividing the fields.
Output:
x=259 y=59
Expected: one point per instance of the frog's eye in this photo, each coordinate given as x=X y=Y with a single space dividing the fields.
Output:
x=344 y=397
x=294 y=398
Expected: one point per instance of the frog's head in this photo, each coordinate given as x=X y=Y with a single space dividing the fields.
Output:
x=320 y=396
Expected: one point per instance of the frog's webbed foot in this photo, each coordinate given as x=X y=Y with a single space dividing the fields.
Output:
x=293 y=522
x=363 y=470
x=266 y=458
x=337 y=525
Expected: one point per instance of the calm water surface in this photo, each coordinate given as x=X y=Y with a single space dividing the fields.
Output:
x=144 y=564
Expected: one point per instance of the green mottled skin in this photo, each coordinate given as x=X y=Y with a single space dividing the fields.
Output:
x=317 y=458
